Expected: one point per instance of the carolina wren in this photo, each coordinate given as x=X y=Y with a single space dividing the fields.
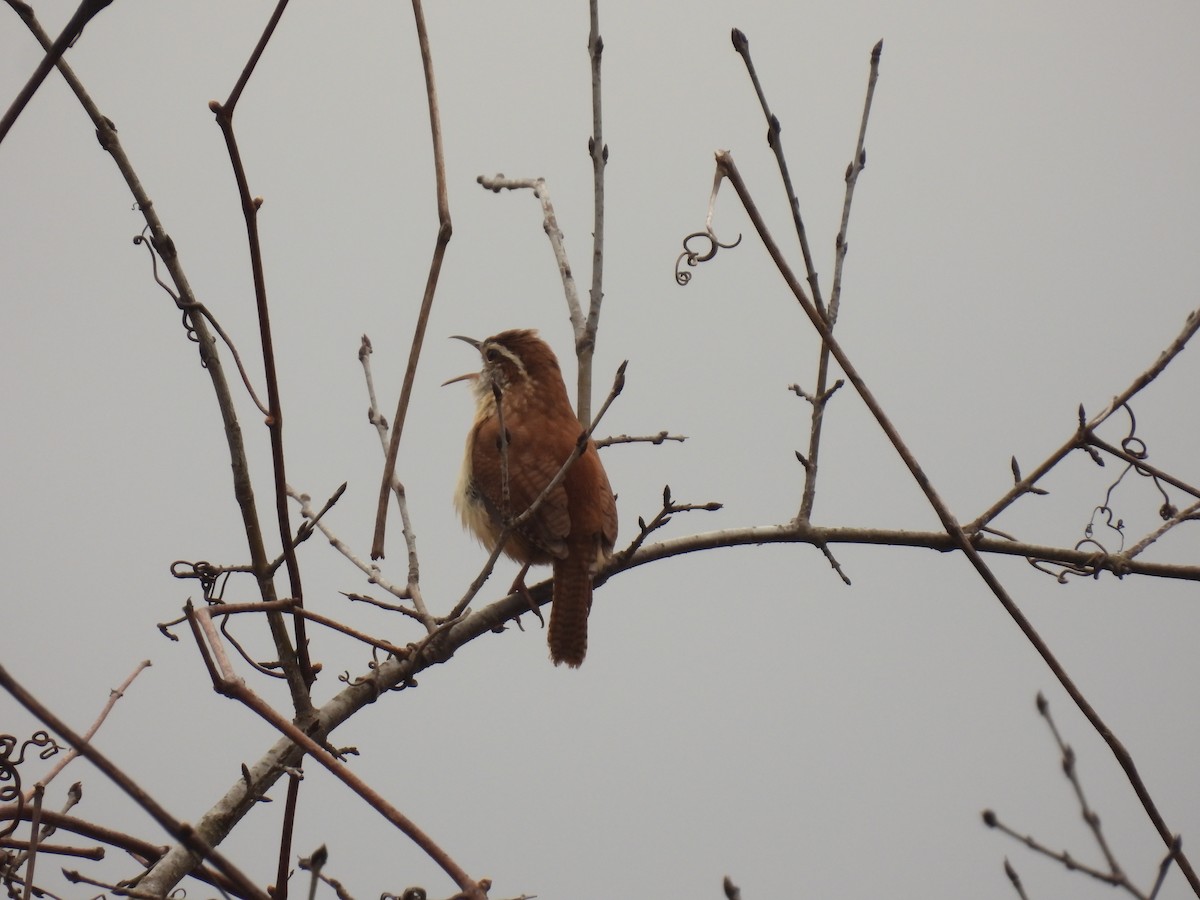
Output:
x=574 y=528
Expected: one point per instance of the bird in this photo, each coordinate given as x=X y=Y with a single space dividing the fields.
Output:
x=520 y=389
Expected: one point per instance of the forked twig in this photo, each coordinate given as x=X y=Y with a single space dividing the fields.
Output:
x=585 y=339
x=661 y=518
x=1115 y=876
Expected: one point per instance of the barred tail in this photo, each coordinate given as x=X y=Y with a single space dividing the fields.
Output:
x=569 y=611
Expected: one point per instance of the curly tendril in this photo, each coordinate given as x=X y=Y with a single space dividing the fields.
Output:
x=694 y=257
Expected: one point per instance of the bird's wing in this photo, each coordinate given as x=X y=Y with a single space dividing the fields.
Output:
x=531 y=466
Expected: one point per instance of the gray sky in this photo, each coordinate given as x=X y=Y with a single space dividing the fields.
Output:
x=1023 y=240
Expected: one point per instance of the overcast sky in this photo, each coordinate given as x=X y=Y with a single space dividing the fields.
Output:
x=1023 y=240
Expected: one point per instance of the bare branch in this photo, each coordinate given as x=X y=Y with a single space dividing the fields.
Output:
x=376 y=418
x=741 y=44
x=585 y=340
x=497 y=183
x=852 y=172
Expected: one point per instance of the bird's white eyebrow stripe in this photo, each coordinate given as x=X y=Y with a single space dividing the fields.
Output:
x=500 y=348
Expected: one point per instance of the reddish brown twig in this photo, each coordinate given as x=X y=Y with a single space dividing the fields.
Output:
x=445 y=229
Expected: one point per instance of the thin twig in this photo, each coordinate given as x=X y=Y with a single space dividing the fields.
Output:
x=661 y=518
x=135 y=847
x=379 y=604
x=939 y=541
x=1072 y=774
x=741 y=44
x=640 y=439
x=852 y=172
x=113 y=696
x=1060 y=856
x=1143 y=467
x=233 y=609
x=585 y=340
x=121 y=890
x=497 y=183
x=376 y=418
x=1164 y=867
x=94 y=853
x=35 y=835
x=445 y=229
x=1015 y=880
x=285 y=837
x=1187 y=514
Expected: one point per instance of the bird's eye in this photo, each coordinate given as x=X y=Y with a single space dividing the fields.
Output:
x=491 y=354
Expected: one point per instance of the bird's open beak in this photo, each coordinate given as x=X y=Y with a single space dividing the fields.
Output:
x=474 y=343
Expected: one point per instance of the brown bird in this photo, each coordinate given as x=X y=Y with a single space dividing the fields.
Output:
x=575 y=527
